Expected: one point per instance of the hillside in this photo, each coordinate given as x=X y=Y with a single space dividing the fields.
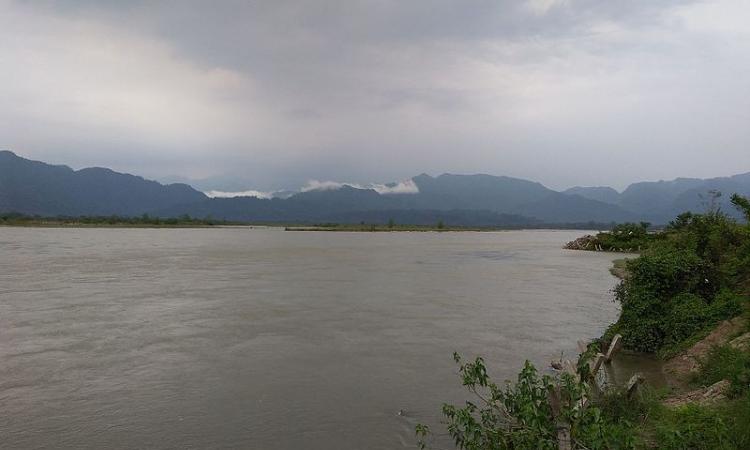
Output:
x=35 y=188
x=32 y=187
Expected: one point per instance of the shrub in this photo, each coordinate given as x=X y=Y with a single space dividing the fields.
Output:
x=693 y=427
x=687 y=315
x=625 y=236
x=520 y=415
x=684 y=283
x=726 y=363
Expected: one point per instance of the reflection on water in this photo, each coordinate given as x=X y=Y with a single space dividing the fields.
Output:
x=227 y=338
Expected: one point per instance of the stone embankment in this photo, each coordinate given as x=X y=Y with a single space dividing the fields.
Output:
x=587 y=242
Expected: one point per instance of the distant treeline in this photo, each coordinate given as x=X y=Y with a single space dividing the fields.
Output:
x=376 y=224
x=143 y=221
x=439 y=226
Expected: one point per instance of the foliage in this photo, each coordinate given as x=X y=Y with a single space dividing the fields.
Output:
x=693 y=427
x=526 y=414
x=726 y=363
x=626 y=236
x=688 y=280
x=742 y=204
x=520 y=415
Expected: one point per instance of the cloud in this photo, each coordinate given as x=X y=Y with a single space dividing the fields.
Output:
x=316 y=185
x=561 y=91
x=251 y=193
x=544 y=6
x=402 y=187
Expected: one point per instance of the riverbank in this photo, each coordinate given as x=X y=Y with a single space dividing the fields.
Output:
x=685 y=300
x=384 y=228
x=100 y=225
x=680 y=370
x=145 y=221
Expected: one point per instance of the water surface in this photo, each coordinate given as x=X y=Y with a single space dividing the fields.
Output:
x=259 y=338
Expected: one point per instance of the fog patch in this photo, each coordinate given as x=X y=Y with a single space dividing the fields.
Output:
x=401 y=187
x=250 y=193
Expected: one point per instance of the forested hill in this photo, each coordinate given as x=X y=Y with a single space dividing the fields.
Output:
x=32 y=187
x=35 y=188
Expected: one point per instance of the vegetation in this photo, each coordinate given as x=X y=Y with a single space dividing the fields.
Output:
x=439 y=225
x=519 y=416
x=693 y=426
x=12 y=219
x=726 y=363
x=689 y=277
x=529 y=413
x=688 y=280
x=390 y=226
x=626 y=237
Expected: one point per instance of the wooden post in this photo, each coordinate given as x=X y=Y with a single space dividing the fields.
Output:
x=563 y=427
x=596 y=364
x=633 y=384
x=614 y=347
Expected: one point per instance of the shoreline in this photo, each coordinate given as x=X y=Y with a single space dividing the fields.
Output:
x=677 y=370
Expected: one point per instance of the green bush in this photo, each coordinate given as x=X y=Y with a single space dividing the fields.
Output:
x=685 y=283
x=726 y=363
x=520 y=415
x=687 y=315
x=737 y=413
x=626 y=236
x=693 y=427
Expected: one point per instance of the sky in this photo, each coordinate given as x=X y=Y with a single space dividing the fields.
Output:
x=273 y=94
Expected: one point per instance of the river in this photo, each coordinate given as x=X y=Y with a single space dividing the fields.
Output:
x=260 y=338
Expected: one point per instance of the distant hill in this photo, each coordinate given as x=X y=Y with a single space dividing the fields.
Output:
x=32 y=187
x=660 y=201
x=563 y=208
x=488 y=192
x=478 y=200
x=604 y=194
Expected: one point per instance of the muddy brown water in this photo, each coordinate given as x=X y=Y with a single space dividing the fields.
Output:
x=259 y=338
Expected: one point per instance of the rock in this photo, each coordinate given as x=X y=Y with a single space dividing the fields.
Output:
x=704 y=396
x=741 y=342
x=688 y=362
x=587 y=242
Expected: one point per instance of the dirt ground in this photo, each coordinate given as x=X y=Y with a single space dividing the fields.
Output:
x=678 y=369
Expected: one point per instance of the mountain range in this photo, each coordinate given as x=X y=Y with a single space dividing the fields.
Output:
x=35 y=188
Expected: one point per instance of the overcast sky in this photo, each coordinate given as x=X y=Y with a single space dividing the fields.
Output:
x=566 y=92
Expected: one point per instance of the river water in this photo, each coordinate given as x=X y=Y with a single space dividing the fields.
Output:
x=260 y=338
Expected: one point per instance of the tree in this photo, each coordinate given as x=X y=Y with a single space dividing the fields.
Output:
x=742 y=204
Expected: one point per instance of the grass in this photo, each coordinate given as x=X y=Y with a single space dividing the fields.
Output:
x=726 y=363
x=692 y=426
x=619 y=268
